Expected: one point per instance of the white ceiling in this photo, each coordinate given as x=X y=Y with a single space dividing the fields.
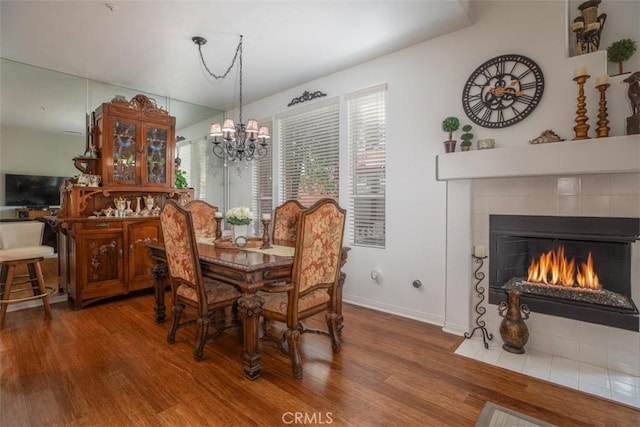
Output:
x=146 y=45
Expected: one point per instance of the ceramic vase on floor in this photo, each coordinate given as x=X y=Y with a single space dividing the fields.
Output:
x=513 y=330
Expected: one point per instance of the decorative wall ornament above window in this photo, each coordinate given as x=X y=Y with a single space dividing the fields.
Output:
x=306 y=96
x=240 y=142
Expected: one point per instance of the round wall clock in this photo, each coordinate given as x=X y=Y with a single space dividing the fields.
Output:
x=503 y=91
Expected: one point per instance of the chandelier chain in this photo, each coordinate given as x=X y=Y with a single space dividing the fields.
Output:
x=235 y=57
x=241 y=142
x=240 y=50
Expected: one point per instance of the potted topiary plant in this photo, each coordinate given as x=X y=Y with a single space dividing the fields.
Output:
x=450 y=125
x=466 y=137
x=621 y=51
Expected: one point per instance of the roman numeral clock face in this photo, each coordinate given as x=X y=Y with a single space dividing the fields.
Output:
x=503 y=91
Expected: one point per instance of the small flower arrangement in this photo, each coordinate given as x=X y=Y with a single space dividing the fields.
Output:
x=239 y=216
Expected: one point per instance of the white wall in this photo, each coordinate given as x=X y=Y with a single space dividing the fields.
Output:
x=425 y=85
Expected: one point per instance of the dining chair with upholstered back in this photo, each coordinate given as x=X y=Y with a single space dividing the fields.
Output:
x=189 y=288
x=203 y=215
x=314 y=279
x=21 y=245
x=285 y=220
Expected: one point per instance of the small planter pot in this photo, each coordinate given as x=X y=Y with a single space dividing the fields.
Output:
x=465 y=147
x=449 y=146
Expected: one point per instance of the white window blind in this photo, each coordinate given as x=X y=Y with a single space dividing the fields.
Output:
x=194 y=162
x=309 y=153
x=367 y=166
x=263 y=185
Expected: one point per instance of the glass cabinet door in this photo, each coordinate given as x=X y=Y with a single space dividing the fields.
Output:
x=124 y=151
x=156 y=153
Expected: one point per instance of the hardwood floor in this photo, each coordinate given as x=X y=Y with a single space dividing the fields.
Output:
x=110 y=364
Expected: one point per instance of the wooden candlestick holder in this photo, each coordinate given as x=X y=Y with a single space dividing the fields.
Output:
x=581 y=128
x=266 y=237
x=603 y=121
x=218 y=227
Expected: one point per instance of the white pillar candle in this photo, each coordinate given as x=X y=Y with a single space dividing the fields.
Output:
x=581 y=71
x=266 y=216
x=218 y=214
x=478 y=251
x=602 y=80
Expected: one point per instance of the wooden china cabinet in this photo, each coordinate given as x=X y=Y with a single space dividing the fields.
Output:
x=131 y=147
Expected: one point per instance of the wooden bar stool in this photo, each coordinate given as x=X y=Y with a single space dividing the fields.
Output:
x=21 y=244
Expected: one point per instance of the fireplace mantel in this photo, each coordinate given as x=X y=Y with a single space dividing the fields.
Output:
x=619 y=154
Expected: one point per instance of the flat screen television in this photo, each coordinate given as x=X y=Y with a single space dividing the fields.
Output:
x=32 y=191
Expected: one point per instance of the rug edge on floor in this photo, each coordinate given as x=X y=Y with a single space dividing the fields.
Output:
x=485 y=416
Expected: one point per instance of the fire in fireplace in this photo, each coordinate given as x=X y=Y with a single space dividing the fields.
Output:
x=574 y=267
x=554 y=268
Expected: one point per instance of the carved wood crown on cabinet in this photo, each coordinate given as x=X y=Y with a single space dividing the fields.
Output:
x=107 y=256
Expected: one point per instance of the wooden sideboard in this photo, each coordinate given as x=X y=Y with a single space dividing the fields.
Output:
x=131 y=147
x=104 y=257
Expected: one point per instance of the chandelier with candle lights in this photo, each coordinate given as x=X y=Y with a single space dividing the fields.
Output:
x=240 y=142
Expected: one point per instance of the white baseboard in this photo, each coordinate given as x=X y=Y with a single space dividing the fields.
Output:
x=392 y=309
x=454 y=329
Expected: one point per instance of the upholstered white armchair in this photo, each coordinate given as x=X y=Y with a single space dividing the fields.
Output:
x=21 y=244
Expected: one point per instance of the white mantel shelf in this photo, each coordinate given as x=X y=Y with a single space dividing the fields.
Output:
x=620 y=154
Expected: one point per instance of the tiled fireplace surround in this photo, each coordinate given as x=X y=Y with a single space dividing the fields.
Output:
x=598 y=178
x=606 y=195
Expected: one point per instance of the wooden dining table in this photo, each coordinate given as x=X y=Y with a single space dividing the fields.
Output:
x=250 y=271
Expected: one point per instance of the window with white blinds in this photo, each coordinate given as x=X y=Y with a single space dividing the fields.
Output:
x=193 y=158
x=309 y=153
x=263 y=185
x=367 y=166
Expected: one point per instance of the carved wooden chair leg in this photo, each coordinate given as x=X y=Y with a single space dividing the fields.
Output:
x=175 y=321
x=265 y=326
x=201 y=339
x=332 y=324
x=282 y=343
x=218 y=318
x=292 y=337
x=279 y=340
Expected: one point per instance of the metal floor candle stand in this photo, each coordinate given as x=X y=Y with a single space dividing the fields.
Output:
x=479 y=308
